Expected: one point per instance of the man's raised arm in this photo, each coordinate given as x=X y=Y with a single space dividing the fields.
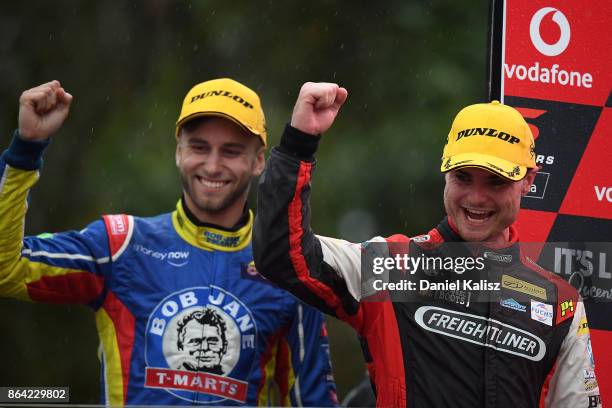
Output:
x=323 y=272
x=60 y=268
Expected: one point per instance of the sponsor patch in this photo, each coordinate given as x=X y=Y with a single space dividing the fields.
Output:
x=518 y=285
x=421 y=238
x=118 y=224
x=583 y=327
x=590 y=353
x=513 y=304
x=566 y=308
x=588 y=374
x=200 y=343
x=249 y=271
x=205 y=383
x=590 y=385
x=542 y=312
x=594 y=401
x=221 y=240
x=481 y=331
x=176 y=258
x=460 y=297
x=507 y=258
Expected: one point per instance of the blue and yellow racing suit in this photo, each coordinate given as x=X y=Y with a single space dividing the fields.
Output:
x=182 y=314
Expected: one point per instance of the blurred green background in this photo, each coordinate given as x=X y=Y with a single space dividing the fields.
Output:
x=409 y=67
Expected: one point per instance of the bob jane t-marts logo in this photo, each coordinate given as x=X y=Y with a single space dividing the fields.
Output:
x=194 y=340
x=481 y=331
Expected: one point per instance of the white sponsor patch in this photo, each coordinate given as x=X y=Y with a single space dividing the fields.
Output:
x=542 y=312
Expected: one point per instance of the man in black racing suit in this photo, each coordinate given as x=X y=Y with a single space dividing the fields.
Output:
x=526 y=345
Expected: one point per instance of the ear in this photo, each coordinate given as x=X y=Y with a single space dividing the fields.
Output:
x=260 y=161
x=177 y=154
x=528 y=180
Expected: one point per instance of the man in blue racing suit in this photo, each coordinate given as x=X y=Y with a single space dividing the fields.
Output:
x=182 y=314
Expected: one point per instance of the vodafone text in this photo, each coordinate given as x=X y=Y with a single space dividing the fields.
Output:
x=549 y=75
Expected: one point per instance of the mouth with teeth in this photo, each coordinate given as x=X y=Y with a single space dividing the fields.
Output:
x=477 y=216
x=212 y=184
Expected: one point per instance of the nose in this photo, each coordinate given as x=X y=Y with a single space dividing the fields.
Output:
x=212 y=163
x=478 y=194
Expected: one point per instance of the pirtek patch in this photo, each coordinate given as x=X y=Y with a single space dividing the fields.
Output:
x=506 y=137
x=222 y=93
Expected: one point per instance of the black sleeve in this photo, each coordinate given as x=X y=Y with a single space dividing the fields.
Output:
x=285 y=248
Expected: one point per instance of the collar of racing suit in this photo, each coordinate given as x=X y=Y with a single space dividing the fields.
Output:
x=213 y=237
x=506 y=255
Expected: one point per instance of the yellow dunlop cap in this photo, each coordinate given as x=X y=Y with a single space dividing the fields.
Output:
x=228 y=99
x=491 y=136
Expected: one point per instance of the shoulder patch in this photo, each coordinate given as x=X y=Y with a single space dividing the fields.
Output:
x=431 y=240
x=566 y=297
x=119 y=229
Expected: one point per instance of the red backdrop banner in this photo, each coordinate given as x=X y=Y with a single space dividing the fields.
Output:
x=553 y=61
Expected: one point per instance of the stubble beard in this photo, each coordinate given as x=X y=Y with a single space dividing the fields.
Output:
x=211 y=206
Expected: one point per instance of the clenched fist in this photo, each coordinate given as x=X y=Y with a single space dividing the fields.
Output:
x=42 y=110
x=317 y=106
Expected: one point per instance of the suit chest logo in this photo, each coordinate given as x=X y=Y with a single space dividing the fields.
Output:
x=200 y=343
x=173 y=258
x=482 y=331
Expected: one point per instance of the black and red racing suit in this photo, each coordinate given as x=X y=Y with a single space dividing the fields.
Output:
x=434 y=350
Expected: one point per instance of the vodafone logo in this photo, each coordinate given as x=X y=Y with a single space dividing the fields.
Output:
x=558 y=17
x=540 y=71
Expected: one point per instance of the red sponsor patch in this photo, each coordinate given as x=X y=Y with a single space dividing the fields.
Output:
x=198 y=382
x=117 y=227
x=117 y=224
x=565 y=310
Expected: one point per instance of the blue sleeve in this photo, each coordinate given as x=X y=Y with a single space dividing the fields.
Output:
x=67 y=267
x=314 y=384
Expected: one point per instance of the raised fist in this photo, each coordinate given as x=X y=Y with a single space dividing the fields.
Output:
x=42 y=110
x=317 y=106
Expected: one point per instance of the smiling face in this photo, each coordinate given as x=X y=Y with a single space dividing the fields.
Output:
x=483 y=205
x=217 y=160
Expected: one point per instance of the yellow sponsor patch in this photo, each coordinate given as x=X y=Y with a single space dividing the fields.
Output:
x=566 y=307
x=583 y=327
x=518 y=285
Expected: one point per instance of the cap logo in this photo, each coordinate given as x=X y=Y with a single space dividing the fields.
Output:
x=512 y=173
x=228 y=94
x=448 y=164
x=488 y=132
